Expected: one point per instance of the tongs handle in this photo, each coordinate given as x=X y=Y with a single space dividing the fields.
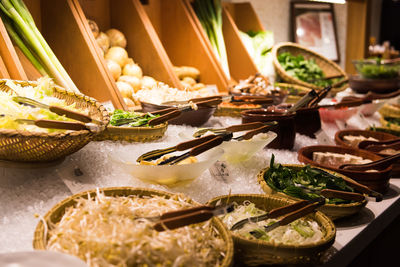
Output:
x=209 y=103
x=363 y=189
x=64 y=125
x=366 y=143
x=163 y=111
x=165 y=117
x=70 y=114
x=378 y=164
x=195 y=142
x=299 y=213
x=275 y=213
x=177 y=213
x=186 y=219
x=216 y=141
x=330 y=193
x=244 y=127
x=262 y=129
x=378 y=148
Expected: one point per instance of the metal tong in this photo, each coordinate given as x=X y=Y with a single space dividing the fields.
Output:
x=234 y=128
x=165 y=115
x=293 y=211
x=179 y=218
x=262 y=100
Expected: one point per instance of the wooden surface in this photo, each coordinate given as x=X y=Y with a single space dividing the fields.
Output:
x=183 y=41
x=244 y=16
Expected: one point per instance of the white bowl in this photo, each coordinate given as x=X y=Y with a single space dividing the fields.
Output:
x=239 y=151
x=39 y=258
x=170 y=175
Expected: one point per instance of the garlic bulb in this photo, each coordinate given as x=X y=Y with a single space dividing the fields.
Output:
x=117 y=38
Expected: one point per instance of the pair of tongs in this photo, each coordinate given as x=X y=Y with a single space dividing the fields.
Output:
x=374 y=165
x=200 y=101
x=234 y=128
x=331 y=193
x=356 y=186
x=292 y=211
x=165 y=115
x=261 y=100
x=85 y=122
x=377 y=146
x=180 y=218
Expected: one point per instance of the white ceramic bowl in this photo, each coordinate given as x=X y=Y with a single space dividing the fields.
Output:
x=170 y=175
x=39 y=258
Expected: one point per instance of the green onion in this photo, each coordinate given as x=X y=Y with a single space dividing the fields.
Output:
x=209 y=13
x=22 y=29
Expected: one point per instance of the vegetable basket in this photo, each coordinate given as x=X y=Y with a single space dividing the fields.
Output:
x=388 y=110
x=333 y=211
x=30 y=147
x=257 y=252
x=329 y=67
x=55 y=214
x=132 y=134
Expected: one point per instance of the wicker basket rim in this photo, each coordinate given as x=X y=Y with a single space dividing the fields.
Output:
x=295 y=86
x=324 y=221
x=61 y=135
x=261 y=181
x=38 y=243
x=124 y=128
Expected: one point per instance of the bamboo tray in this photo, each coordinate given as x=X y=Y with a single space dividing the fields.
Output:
x=333 y=211
x=132 y=134
x=329 y=67
x=258 y=252
x=55 y=214
x=28 y=147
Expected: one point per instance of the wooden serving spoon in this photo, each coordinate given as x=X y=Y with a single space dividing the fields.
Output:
x=374 y=165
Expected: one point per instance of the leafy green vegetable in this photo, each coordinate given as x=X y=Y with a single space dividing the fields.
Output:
x=369 y=69
x=393 y=120
x=299 y=183
x=132 y=119
x=302 y=69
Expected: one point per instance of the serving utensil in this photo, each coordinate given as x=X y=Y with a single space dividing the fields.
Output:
x=166 y=115
x=367 y=144
x=179 y=218
x=262 y=100
x=275 y=213
x=330 y=193
x=233 y=129
x=374 y=165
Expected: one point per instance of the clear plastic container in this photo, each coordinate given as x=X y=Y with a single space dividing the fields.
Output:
x=170 y=175
x=376 y=69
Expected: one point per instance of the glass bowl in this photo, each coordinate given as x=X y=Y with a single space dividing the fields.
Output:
x=375 y=69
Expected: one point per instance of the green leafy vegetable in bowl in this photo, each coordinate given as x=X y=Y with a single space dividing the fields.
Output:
x=376 y=69
x=131 y=119
x=299 y=183
x=302 y=69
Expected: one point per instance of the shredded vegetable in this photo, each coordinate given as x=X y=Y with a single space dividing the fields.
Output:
x=113 y=231
x=302 y=231
x=131 y=119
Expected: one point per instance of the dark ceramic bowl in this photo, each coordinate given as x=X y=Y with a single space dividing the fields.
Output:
x=286 y=129
x=193 y=117
x=363 y=86
x=307 y=120
x=378 y=181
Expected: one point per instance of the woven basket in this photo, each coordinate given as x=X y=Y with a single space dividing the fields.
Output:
x=132 y=134
x=333 y=211
x=329 y=67
x=388 y=110
x=231 y=111
x=55 y=214
x=386 y=130
x=257 y=252
x=30 y=147
x=295 y=91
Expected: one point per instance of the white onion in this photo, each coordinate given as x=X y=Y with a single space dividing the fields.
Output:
x=117 y=38
x=114 y=68
x=117 y=54
x=148 y=82
x=103 y=42
x=129 y=102
x=135 y=82
x=125 y=89
x=132 y=69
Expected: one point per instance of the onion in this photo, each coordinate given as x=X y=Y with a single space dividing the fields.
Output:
x=125 y=89
x=189 y=80
x=114 y=69
x=117 y=54
x=129 y=102
x=132 y=69
x=135 y=82
x=117 y=38
x=103 y=41
x=148 y=82
x=93 y=26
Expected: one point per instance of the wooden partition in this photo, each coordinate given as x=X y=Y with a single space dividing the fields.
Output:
x=244 y=16
x=183 y=41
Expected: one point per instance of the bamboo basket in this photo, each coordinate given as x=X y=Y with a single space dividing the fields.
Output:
x=55 y=214
x=333 y=211
x=132 y=134
x=329 y=67
x=231 y=111
x=30 y=147
x=257 y=252
x=295 y=91
x=388 y=110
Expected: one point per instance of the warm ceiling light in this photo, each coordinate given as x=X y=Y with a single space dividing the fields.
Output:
x=331 y=1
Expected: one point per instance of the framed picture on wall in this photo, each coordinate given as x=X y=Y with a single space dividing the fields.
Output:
x=313 y=26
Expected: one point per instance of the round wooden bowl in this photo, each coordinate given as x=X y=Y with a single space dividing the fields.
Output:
x=257 y=252
x=54 y=215
x=333 y=211
x=380 y=136
x=307 y=120
x=378 y=181
x=381 y=86
x=193 y=117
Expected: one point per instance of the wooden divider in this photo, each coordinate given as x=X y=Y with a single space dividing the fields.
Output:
x=183 y=41
x=244 y=16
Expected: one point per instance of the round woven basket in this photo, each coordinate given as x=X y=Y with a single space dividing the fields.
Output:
x=329 y=67
x=295 y=91
x=257 y=252
x=392 y=111
x=231 y=111
x=55 y=214
x=333 y=211
x=132 y=134
x=30 y=147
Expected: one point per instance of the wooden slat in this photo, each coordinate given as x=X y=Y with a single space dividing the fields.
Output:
x=182 y=40
x=244 y=16
x=3 y=70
